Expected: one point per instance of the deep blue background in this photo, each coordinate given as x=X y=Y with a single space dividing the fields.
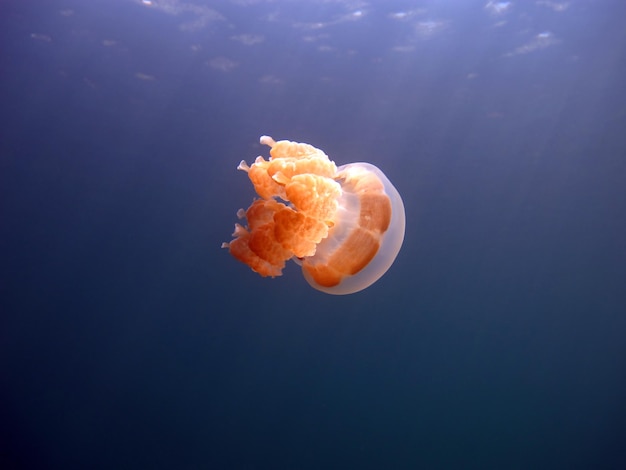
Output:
x=129 y=339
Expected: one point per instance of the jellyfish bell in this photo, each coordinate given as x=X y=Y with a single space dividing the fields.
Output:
x=344 y=226
x=367 y=235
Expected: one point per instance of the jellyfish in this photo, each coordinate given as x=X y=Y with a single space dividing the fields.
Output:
x=343 y=225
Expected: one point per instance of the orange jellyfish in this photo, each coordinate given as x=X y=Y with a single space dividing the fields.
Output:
x=343 y=225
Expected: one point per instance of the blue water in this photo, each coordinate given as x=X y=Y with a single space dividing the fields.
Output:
x=129 y=339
